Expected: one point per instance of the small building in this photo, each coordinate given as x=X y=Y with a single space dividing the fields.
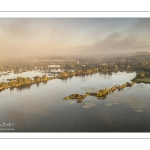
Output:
x=57 y=71
x=53 y=66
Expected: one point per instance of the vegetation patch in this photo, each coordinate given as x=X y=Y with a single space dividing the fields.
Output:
x=136 y=104
x=71 y=102
x=108 y=104
x=88 y=105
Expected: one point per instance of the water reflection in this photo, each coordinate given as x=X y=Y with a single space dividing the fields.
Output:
x=27 y=86
x=23 y=87
x=37 y=84
x=102 y=97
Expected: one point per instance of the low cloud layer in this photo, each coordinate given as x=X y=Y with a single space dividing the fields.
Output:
x=115 y=42
x=29 y=37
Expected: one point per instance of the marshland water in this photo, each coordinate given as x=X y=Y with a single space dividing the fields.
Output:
x=40 y=107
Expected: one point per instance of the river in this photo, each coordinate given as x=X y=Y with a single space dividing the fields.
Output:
x=41 y=108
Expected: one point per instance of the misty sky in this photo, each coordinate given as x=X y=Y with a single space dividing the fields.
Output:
x=61 y=36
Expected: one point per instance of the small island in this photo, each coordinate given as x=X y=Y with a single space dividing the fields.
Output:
x=100 y=94
x=20 y=81
x=142 y=77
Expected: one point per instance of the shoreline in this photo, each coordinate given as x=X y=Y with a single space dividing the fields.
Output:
x=22 y=81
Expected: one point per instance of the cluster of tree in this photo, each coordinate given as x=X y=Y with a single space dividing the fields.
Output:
x=77 y=72
x=134 y=62
x=23 y=81
x=113 y=64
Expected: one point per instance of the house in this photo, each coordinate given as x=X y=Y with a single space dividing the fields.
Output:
x=53 y=66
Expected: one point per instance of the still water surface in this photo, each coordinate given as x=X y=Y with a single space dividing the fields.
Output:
x=41 y=108
x=30 y=74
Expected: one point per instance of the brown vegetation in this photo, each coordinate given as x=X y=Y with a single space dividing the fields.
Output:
x=101 y=93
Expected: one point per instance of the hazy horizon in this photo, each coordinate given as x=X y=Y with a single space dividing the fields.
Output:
x=27 y=37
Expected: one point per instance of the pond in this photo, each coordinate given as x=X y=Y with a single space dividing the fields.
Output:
x=41 y=108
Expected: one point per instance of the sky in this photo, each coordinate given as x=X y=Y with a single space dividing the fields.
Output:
x=24 y=37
